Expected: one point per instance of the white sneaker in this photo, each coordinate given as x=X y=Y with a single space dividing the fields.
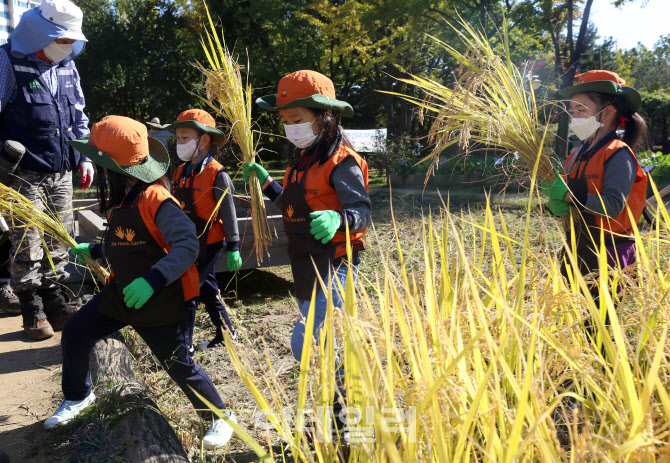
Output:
x=68 y=410
x=219 y=433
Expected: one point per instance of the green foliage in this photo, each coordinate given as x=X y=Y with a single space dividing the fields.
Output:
x=651 y=68
x=661 y=173
x=138 y=61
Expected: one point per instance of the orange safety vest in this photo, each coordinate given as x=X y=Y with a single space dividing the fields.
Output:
x=321 y=196
x=148 y=204
x=203 y=197
x=592 y=171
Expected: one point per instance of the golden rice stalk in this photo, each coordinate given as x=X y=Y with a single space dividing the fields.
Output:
x=24 y=214
x=488 y=108
x=231 y=98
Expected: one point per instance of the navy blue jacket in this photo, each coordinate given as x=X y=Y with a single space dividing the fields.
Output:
x=41 y=122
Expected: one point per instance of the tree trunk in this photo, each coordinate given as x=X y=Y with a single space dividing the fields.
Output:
x=388 y=107
x=665 y=143
x=564 y=118
x=144 y=433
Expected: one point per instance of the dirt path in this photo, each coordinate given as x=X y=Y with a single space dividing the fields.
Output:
x=29 y=382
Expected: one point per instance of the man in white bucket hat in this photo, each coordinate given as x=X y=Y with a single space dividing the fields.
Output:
x=42 y=107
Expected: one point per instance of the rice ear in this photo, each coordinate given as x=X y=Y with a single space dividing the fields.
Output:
x=489 y=106
x=230 y=97
x=24 y=214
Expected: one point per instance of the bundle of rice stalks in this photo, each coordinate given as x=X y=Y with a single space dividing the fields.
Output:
x=488 y=108
x=231 y=99
x=24 y=214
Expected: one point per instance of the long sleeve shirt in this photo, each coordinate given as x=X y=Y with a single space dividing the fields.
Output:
x=224 y=185
x=618 y=179
x=49 y=75
x=347 y=180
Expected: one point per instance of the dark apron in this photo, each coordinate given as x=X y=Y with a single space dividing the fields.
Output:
x=131 y=250
x=586 y=228
x=183 y=191
x=303 y=249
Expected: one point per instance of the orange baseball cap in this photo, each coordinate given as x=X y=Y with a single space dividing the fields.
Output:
x=198 y=119
x=121 y=144
x=308 y=89
x=608 y=82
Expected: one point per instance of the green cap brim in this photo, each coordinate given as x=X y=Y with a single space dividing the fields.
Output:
x=218 y=137
x=341 y=108
x=150 y=170
x=631 y=96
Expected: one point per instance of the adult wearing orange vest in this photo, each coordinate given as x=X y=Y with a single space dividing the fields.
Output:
x=325 y=189
x=602 y=177
x=198 y=184
x=151 y=246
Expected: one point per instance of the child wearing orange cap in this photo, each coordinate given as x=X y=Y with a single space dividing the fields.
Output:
x=198 y=184
x=602 y=179
x=325 y=189
x=151 y=247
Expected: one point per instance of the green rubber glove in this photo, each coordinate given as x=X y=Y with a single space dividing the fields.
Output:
x=555 y=189
x=81 y=248
x=234 y=260
x=137 y=293
x=260 y=172
x=558 y=207
x=324 y=224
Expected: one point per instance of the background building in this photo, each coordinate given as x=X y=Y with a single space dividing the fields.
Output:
x=10 y=15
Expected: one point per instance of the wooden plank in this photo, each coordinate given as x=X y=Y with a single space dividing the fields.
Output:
x=247 y=242
x=278 y=256
x=91 y=225
x=245 y=226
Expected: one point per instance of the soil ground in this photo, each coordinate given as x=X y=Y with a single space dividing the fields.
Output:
x=30 y=385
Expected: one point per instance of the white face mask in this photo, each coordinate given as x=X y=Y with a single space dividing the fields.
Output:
x=585 y=127
x=57 y=52
x=301 y=135
x=185 y=151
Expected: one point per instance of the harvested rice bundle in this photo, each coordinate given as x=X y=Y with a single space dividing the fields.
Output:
x=13 y=205
x=231 y=98
x=488 y=107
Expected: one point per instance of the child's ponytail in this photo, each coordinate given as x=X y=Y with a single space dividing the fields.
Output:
x=635 y=128
x=635 y=131
x=332 y=135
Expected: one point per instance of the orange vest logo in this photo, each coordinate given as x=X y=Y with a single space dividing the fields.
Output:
x=129 y=235
x=290 y=210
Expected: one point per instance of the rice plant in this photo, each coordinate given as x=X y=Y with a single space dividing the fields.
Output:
x=230 y=97
x=489 y=107
x=482 y=356
x=24 y=214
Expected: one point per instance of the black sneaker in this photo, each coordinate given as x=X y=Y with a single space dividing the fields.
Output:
x=9 y=303
x=213 y=344
x=217 y=342
x=191 y=350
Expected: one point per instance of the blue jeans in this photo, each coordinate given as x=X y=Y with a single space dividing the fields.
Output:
x=338 y=273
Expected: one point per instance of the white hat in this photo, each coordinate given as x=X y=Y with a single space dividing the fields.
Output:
x=65 y=14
